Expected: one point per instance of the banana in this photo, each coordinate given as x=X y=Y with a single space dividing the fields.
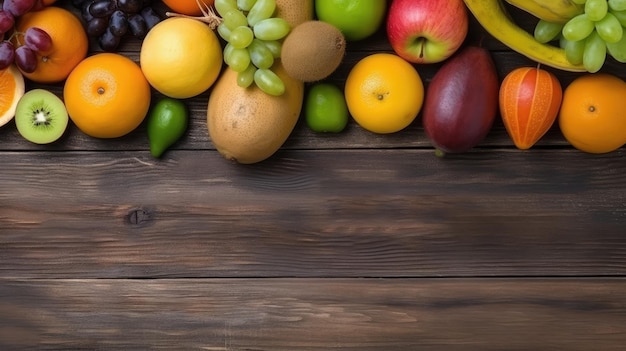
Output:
x=494 y=18
x=557 y=11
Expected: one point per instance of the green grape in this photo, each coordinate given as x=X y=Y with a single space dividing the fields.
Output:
x=274 y=47
x=579 y=2
x=621 y=17
x=263 y=9
x=227 y=52
x=269 y=82
x=617 y=5
x=547 y=31
x=595 y=53
x=241 y=37
x=574 y=51
x=260 y=55
x=618 y=50
x=236 y=59
x=222 y=6
x=271 y=29
x=234 y=19
x=596 y=9
x=239 y=59
x=223 y=31
x=578 y=28
x=245 y=5
x=562 y=42
x=609 y=29
x=245 y=78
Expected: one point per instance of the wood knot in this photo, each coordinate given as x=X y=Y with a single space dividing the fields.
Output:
x=139 y=216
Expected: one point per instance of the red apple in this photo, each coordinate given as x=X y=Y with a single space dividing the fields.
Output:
x=426 y=31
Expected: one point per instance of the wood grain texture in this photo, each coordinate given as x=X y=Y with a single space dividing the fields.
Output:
x=314 y=314
x=305 y=213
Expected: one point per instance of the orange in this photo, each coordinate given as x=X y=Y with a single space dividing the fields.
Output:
x=12 y=88
x=592 y=114
x=69 y=43
x=107 y=96
x=188 y=7
x=384 y=93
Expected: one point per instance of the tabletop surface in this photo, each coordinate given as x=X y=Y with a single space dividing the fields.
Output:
x=351 y=241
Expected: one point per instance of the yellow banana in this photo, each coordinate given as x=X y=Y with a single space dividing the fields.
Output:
x=494 y=18
x=557 y=11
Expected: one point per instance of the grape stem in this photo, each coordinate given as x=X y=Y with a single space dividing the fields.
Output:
x=15 y=35
x=208 y=15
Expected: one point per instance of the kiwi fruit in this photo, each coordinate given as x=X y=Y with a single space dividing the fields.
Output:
x=41 y=116
x=313 y=50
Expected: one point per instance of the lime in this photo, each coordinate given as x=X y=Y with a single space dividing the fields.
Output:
x=167 y=123
x=326 y=109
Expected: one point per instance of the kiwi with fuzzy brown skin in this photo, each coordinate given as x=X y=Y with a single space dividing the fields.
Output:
x=41 y=116
x=313 y=50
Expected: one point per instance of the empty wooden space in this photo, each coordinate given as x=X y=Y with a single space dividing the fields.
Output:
x=354 y=241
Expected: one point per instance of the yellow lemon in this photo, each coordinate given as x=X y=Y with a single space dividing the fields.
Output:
x=384 y=93
x=181 y=57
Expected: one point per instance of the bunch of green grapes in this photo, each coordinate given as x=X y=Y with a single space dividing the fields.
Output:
x=253 y=38
x=588 y=37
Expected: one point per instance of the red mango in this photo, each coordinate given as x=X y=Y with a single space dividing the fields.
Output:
x=530 y=99
x=462 y=101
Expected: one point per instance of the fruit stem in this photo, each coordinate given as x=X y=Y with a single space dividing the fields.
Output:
x=208 y=15
x=16 y=35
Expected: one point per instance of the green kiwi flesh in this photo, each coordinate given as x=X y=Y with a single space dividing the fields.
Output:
x=41 y=116
x=313 y=50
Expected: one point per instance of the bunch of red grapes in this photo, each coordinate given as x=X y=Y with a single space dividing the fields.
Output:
x=111 y=20
x=31 y=42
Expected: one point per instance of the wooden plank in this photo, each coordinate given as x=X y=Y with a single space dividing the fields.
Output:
x=313 y=314
x=326 y=213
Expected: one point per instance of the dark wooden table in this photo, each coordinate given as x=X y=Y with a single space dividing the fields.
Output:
x=353 y=241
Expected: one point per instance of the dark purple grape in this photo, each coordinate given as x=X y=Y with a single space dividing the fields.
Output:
x=150 y=16
x=79 y=3
x=137 y=26
x=102 y=8
x=108 y=41
x=118 y=23
x=37 y=39
x=84 y=11
x=26 y=59
x=97 y=26
x=6 y=21
x=18 y=7
x=130 y=6
x=7 y=54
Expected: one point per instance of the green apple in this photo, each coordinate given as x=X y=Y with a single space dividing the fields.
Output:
x=357 y=19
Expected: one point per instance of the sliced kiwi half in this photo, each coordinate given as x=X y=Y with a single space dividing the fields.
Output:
x=41 y=116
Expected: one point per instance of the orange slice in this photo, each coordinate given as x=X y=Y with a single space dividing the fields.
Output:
x=12 y=88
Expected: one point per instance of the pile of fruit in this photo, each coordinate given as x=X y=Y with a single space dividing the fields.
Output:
x=265 y=63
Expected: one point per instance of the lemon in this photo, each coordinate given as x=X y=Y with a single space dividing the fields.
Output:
x=167 y=123
x=181 y=57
